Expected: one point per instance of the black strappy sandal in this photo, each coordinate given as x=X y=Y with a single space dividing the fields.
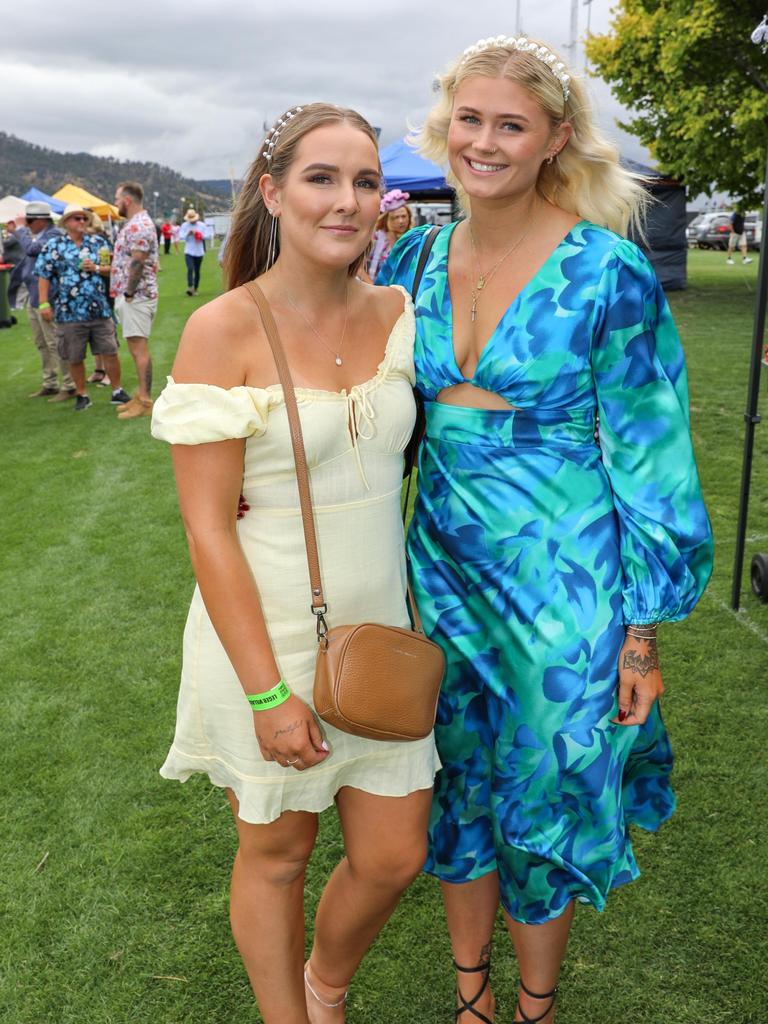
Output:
x=468 y=1006
x=552 y=996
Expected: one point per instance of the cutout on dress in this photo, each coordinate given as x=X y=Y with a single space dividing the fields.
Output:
x=473 y=397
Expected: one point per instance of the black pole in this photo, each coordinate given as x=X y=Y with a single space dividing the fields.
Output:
x=750 y=416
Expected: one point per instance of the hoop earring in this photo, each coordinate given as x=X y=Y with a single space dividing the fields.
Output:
x=272 y=247
x=551 y=158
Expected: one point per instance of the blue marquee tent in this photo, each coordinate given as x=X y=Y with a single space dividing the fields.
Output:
x=404 y=168
x=34 y=195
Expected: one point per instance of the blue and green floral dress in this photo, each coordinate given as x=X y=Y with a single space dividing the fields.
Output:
x=532 y=546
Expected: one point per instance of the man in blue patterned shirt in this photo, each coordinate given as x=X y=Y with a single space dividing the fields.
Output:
x=80 y=308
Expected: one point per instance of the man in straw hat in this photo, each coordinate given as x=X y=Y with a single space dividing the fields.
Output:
x=193 y=233
x=80 y=307
x=32 y=232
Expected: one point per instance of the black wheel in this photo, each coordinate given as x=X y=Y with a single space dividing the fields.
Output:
x=759 y=576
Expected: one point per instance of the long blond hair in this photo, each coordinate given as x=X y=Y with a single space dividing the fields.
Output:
x=585 y=178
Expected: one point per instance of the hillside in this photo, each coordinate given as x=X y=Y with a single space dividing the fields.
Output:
x=23 y=164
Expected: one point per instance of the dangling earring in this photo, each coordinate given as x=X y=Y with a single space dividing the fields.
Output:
x=272 y=247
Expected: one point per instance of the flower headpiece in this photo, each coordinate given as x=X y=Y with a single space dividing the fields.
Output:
x=393 y=200
x=274 y=133
x=523 y=45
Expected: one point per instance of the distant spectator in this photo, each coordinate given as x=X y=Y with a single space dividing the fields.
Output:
x=32 y=233
x=133 y=285
x=737 y=237
x=167 y=232
x=80 y=307
x=395 y=220
x=175 y=232
x=193 y=233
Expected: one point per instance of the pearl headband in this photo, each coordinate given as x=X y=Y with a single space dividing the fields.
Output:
x=274 y=133
x=523 y=45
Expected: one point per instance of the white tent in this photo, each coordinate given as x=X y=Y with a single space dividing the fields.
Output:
x=11 y=207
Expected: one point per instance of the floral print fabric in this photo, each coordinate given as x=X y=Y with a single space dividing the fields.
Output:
x=532 y=546
x=81 y=295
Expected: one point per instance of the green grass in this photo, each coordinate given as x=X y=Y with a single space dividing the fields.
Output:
x=126 y=919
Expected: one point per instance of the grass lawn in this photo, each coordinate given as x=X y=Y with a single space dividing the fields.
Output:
x=113 y=882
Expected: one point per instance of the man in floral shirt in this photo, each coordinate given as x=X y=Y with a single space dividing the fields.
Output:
x=133 y=285
x=80 y=308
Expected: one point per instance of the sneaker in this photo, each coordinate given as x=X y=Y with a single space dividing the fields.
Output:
x=64 y=395
x=82 y=402
x=190 y=292
x=105 y=382
x=138 y=407
x=747 y=259
x=120 y=397
x=44 y=392
x=729 y=261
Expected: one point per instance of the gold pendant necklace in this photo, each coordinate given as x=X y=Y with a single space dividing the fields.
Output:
x=485 y=277
x=338 y=360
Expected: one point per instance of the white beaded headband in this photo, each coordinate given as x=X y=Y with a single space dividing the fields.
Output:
x=523 y=45
x=274 y=133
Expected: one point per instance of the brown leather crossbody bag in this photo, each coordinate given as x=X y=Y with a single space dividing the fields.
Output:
x=380 y=682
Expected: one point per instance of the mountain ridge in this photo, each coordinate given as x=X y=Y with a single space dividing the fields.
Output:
x=25 y=165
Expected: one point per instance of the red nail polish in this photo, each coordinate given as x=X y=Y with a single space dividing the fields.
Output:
x=622 y=715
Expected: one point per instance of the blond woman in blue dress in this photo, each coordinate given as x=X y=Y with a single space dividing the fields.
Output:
x=245 y=718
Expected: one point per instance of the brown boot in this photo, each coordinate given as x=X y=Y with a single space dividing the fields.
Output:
x=135 y=408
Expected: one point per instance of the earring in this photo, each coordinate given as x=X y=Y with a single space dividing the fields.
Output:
x=551 y=158
x=272 y=247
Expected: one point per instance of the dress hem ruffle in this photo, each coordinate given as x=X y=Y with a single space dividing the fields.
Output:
x=263 y=800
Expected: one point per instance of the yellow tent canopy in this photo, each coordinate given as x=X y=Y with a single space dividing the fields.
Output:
x=75 y=194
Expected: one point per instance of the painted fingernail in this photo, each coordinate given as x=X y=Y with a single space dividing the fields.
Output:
x=325 y=746
x=622 y=715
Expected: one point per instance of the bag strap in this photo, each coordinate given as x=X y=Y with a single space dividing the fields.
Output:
x=318 y=605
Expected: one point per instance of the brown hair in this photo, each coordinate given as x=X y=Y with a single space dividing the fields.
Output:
x=132 y=189
x=245 y=256
x=585 y=177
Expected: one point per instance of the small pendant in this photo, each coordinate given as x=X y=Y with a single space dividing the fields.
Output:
x=474 y=307
x=480 y=284
x=338 y=361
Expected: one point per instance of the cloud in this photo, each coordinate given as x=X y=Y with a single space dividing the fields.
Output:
x=191 y=84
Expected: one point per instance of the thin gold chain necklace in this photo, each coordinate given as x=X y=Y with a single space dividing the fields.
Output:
x=318 y=335
x=484 y=278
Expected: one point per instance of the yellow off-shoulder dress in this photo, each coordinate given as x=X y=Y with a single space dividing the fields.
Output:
x=354 y=442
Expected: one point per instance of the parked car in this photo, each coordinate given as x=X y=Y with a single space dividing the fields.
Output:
x=711 y=230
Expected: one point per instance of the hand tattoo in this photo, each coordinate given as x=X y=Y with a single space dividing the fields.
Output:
x=643 y=664
x=288 y=728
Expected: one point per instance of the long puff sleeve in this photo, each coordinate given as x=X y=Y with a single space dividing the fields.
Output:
x=642 y=392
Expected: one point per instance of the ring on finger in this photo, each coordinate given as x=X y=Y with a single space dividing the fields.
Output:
x=295 y=761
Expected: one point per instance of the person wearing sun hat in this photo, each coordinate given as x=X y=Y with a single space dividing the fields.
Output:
x=80 y=308
x=193 y=234
x=32 y=232
x=394 y=221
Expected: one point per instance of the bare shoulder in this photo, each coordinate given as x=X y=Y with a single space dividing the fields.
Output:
x=219 y=340
x=385 y=305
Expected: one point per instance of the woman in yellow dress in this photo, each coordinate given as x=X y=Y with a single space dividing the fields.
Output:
x=302 y=224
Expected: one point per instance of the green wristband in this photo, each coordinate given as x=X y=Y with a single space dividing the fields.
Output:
x=44 y=305
x=279 y=694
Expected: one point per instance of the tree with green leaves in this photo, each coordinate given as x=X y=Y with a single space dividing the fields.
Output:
x=697 y=88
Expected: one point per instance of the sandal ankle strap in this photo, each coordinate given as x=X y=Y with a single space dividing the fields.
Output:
x=552 y=996
x=319 y=998
x=468 y=1005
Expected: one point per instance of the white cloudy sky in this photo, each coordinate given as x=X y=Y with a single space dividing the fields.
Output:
x=190 y=83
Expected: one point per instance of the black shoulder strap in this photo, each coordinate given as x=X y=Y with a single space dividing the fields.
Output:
x=412 y=447
x=426 y=249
